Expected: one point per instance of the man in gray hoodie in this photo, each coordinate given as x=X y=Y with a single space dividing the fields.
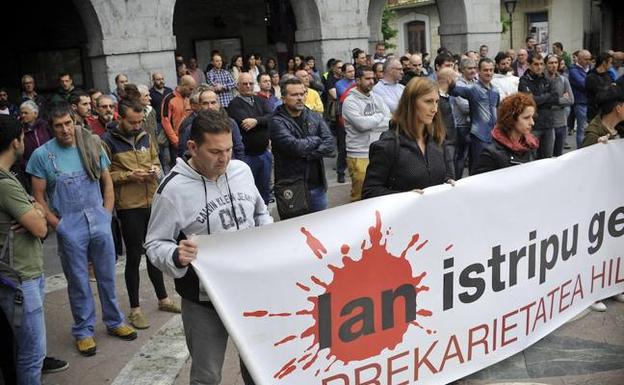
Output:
x=366 y=116
x=208 y=194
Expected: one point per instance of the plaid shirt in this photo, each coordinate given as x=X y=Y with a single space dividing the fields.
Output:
x=224 y=78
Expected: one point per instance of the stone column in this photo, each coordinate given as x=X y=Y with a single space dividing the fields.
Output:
x=467 y=24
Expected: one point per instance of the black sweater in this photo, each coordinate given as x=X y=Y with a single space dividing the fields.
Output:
x=256 y=140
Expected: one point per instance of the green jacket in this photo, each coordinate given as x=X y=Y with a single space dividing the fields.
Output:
x=595 y=130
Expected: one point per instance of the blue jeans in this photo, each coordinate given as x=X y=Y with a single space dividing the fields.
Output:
x=318 y=199
x=31 y=335
x=580 y=110
x=261 y=169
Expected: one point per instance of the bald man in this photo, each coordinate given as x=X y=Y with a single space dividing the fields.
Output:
x=578 y=74
x=175 y=108
x=521 y=64
x=252 y=115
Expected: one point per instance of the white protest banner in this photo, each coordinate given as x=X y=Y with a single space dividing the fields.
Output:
x=423 y=289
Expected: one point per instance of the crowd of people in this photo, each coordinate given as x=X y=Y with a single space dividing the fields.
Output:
x=150 y=167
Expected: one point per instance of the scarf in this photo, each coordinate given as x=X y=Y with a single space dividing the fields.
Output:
x=526 y=143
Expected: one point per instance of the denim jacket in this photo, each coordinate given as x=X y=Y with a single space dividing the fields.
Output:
x=483 y=102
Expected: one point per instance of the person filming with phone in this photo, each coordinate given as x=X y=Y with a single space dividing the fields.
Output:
x=135 y=170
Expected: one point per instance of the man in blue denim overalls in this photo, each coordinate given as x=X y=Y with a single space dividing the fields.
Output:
x=71 y=170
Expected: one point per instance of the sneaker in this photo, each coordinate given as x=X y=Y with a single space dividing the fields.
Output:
x=86 y=346
x=125 y=332
x=598 y=306
x=138 y=320
x=53 y=365
x=170 y=307
x=619 y=297
x=341 y=178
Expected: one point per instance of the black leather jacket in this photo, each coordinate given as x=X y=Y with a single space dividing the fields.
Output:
x=543 y=94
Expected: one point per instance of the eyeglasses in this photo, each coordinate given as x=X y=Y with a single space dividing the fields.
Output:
x=246 y=83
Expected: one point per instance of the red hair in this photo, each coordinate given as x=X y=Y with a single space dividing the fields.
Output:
x=510 y=108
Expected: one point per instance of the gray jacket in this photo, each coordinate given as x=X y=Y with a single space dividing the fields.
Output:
x=366 y=117
x=561 y=85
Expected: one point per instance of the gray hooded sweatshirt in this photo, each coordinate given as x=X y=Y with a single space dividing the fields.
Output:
x=185 y=198
x=366 y=117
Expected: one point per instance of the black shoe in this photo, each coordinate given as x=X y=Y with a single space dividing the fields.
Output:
x=53 y=365
x=567 y=146
x=341 y=178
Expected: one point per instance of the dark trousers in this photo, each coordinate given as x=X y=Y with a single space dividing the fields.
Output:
x=476 y=147
x=341 y=144
x=134 y=227
x=560 y=135
x=461 y=150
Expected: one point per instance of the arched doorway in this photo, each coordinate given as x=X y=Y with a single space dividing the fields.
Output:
x=52 y=39
x=266 y=27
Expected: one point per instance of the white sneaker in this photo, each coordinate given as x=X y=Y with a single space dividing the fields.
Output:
x=619 y=297
x=598 y=306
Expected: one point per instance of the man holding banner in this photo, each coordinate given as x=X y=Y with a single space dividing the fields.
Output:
x=228 y=201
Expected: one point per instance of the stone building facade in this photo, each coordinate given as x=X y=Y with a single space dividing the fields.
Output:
x=97 y=39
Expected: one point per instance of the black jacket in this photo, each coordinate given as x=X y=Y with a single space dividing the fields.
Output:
x=594 y=84
x=544 y=95
x=300 y=150
x=390 y=171
x=497 y=156
x=256 y=140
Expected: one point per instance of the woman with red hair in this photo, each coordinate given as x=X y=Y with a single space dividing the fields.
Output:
x=512 y=142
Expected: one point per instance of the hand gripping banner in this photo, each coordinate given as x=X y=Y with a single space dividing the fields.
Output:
x=423 y=289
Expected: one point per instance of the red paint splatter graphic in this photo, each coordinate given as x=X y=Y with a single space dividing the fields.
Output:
x=367 y=307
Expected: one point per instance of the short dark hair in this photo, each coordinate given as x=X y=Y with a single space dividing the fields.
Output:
x=483 y=46
x=535 y=56
x=608 y=99
x=330 y=63
x=345 y=65
x=529 y=38
x=500 y=56
x=209 y=122
x=58 y=110
x=359 y=71
x=485 y=60
x=558 y=45
x=93 y=91
x=309 y=57
x=260 y=75
x=74 y=97
x=63 y=74
x=129 y=104
x=10 y=129
x=289 y=81
x=441 y=59
x=356 y=52
x=603 y=57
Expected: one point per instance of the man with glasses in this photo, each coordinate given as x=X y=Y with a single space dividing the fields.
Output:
x=389 y=87
x=106 y=114
x=252 y=114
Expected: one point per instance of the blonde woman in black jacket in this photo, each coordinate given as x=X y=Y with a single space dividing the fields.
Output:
x=411 y=154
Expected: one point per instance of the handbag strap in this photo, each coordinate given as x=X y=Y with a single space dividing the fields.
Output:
x=395 y=159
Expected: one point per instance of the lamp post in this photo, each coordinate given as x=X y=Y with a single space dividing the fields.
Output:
x=510 y=7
